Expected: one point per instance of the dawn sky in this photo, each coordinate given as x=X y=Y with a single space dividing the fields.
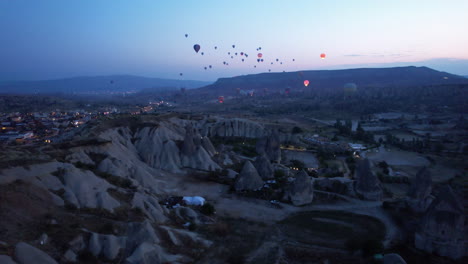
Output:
x=55 y=38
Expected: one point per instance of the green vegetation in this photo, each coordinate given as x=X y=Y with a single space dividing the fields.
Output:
x=297 y=130
x=207 y=209
x=297 y=164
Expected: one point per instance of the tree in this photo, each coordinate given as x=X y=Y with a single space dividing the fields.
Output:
x=297 y=130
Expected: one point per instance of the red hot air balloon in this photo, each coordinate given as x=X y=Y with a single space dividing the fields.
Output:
x=306 y=83
x=259 y=55
x=221 y=99
x=322 y=56
x=196 y=47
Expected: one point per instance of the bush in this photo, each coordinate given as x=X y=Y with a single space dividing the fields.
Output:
x=297 y=130
x=192 y=226
x=207 y=209
x=298 y=164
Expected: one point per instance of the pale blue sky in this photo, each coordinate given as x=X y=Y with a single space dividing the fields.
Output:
x=44 y=39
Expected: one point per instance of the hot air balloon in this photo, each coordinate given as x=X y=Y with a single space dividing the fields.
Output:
x=242 y=60
x=306 y=83
x=205 y=68
x=261 y=60
x=209 y=66
x=186 y=35
x=196 y=47
x=246 y=55
x=232 y=57
x=229 y=53
x=181 y=74
x=255 y=66
x=242 y=53
x=281 y=63
x=294 y=59
x=277 y=59
x=216 y=47
x=258 y=60
x=221 y=99
x=272 y=63
x=322 y=56
x=259 y=55
x=233 y=46
x=269 y=70
x=202 y=53
x=112 y=82
x=235 y=53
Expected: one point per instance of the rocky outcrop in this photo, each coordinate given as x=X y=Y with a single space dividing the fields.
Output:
x=146 y=253
x=367 y=184
x=270 y=146
x=107 y=246
x=149 y=206
x=301 y=190
x=235 y=127
x=248 y=179
x=84 y=189
x=195 y=156
x=186 y=214
x=419 y=194
x=208 y=146
x=264 y=167
x=393 y=259
x=338 y=185
x=27 y=254
x=442 y=228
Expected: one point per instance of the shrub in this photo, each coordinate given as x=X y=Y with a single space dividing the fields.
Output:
x=297 y=130
x=207 y=209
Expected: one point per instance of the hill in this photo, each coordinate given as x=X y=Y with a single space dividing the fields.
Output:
x=334 y=80
x=97 y=85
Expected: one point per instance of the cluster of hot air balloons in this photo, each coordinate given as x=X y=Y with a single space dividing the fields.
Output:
x=243 y=58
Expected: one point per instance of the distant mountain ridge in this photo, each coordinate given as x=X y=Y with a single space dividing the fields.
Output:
x=97 y=84
x=334 y=80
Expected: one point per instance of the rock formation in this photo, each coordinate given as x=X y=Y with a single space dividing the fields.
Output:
x=442 y=227
x=270 y=146
x=208 y=146
x=264 y=167
x=248 y=179
x=235 y=127
x=338 y=185
x=393 y=258
x=301 y=190
x=26 y=254
x=367 y=183
x=419 y=194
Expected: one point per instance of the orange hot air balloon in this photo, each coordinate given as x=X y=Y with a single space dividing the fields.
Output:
x=259 y=55
x=221 y=99
x=306 y=83
x=322 y=56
